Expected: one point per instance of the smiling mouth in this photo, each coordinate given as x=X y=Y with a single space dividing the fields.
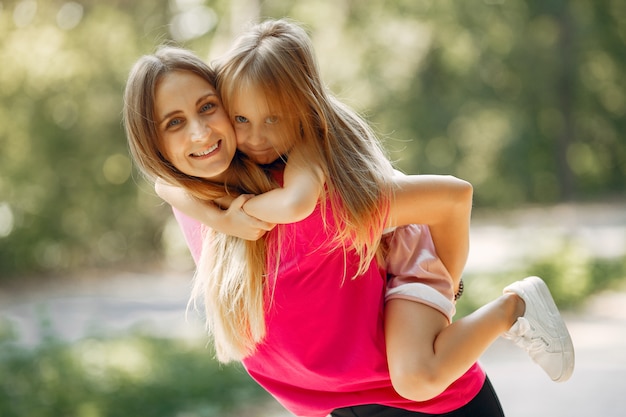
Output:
x=207 y=151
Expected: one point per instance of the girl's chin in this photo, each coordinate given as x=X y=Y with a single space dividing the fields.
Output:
x=265 y=159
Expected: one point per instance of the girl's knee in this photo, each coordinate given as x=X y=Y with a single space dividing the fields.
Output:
x=417 y=384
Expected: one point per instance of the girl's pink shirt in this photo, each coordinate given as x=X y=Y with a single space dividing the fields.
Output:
x=325 y=344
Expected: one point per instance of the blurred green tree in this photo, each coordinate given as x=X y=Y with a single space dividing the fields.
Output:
x=524 y=99
x=69 y=194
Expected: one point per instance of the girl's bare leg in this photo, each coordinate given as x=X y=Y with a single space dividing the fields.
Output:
x=426 y=354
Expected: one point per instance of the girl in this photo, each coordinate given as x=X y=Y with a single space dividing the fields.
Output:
x=293 y=343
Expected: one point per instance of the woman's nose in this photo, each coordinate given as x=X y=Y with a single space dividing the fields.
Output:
x=199 y=131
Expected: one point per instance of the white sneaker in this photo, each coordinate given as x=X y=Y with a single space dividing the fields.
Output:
x=542 y=331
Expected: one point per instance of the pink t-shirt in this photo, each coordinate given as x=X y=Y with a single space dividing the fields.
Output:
x=325 y=345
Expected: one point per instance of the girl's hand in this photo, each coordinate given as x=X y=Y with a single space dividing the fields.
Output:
x=241 y=224
x=223 y=215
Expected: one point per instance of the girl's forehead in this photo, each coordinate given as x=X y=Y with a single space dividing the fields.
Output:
x=253 y=97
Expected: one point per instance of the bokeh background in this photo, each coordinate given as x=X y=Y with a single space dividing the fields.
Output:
x=524 y=99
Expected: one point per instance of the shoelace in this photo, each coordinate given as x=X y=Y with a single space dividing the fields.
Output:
x=520 y=334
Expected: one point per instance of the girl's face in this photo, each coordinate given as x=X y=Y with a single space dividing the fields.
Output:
x=196 y=133
x=261 y=134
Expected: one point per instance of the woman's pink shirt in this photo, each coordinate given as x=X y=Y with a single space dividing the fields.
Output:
x=325 y=344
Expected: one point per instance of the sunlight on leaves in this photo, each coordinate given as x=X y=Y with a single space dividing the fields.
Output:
x=104 y=358
x=69 y=15
x=117 y=168
x=6 y=220
x=191 y=20
x=24 y=13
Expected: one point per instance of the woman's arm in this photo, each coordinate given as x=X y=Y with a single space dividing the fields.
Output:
x=444 y=203
x=232 y=221
x=295 y=200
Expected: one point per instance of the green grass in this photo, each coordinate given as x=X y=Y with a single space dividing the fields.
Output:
x=131 y=375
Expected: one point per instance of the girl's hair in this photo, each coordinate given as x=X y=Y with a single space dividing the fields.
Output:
x=231 y=270
x=276 y=59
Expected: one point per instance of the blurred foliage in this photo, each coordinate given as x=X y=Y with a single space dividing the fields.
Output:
x=525 y=99
x=571 y=275
x=132 y=375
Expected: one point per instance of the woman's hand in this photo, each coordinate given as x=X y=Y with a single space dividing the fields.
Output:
x=240 y=224
x=224 y=215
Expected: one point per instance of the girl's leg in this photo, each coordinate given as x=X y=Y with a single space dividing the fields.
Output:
x=426 y=355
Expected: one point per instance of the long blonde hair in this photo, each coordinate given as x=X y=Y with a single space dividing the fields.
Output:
x=230 y=274
x=276 y=58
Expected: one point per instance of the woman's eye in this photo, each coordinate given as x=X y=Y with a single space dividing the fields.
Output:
x=174 y=122
x=241 y=119
x=206 y=107
x=271 y=120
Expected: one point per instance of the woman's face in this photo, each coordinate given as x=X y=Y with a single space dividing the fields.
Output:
x=196 y=134
x=261 y=134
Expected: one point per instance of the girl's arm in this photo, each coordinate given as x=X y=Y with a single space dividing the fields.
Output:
x=232 y=221
x=444 y=203
x=295 y=200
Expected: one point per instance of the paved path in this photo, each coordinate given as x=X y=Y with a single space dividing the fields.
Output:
x=597 y=388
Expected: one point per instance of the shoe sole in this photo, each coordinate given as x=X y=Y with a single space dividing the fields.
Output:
x=563 y=334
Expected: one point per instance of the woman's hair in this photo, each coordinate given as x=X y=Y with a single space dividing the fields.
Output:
x=276 y=59
x=139 y=112
x=231 y=272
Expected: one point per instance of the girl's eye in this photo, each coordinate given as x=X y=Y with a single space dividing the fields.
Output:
x=271 y=120
x=241 y=119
